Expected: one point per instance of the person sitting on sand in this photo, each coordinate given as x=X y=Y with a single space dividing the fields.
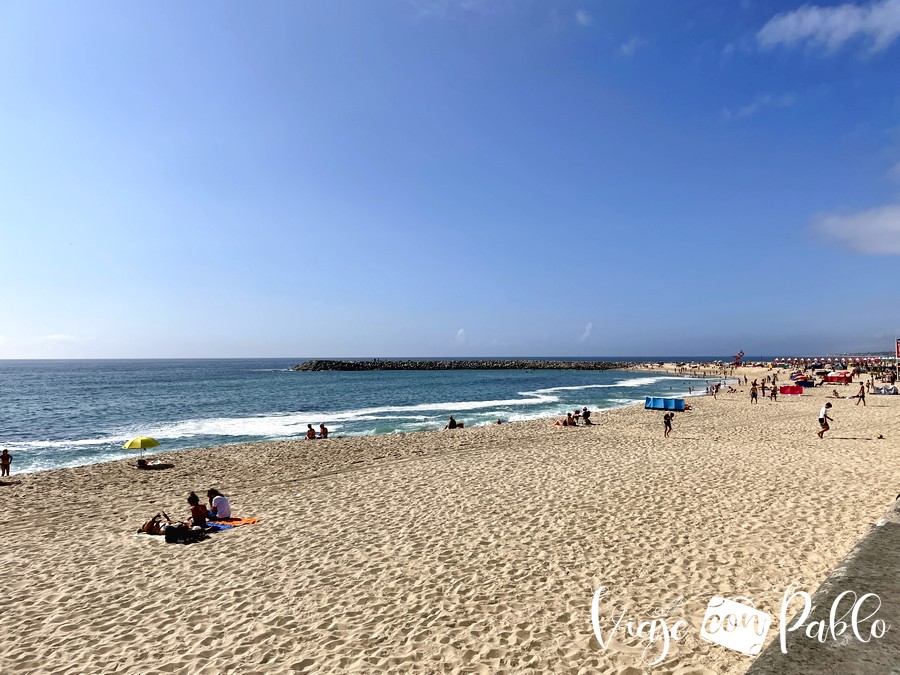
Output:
x=835 y=394
x=219 y=507
x=453 y=424
x=310 y=433
x=323 y=431
x=5 y=461
x=198 y=512
x=571 y=420
x=586 y=415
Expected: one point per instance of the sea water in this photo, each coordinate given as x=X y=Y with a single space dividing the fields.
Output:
x=57 y=414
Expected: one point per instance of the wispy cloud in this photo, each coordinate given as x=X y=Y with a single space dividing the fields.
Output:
x=587 y=332
x=894 y=172
x=760 y=102
x=583 y=17
x=873 y=232
x=442 y=9
x=878 y=23
x=58 y=337
x=630 y=47
x=460 y=336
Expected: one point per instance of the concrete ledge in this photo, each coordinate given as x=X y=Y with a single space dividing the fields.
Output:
x=873 y=566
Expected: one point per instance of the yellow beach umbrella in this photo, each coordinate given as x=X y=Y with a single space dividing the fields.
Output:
x=141 y=443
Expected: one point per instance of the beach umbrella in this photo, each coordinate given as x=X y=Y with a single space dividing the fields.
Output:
x=141 y=443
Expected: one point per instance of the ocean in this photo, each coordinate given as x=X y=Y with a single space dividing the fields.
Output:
x=56 y=414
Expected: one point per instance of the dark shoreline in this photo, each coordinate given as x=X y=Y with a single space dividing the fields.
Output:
x=318 y=365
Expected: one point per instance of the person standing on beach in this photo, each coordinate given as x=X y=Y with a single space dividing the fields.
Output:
x=861 y=395
x=754 y=394
x=5 y=461
x=667 y=424
x=824 y=419
x=774 y=395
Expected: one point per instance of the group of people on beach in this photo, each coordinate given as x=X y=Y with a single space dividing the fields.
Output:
x=193 y=527
x=218 y=508
x=311 y=434
x=571 y=419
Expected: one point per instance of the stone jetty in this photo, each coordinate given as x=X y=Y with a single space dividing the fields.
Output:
x=316 y=365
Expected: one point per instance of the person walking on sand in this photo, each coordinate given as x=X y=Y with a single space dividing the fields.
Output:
x=5 y=461
x=824 y=419
x=861 y=396
x=667 y=424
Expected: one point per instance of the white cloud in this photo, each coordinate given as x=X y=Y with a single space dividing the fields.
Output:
x=832 y=27
x=630 y=47
x=587 y=332
x=874 y=232
x=58 y=338
x=583 y=18
x=460 y=336
x=760 y=102
x=894 y=172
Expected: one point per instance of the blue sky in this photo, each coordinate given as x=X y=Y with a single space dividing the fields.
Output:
x=448 y=177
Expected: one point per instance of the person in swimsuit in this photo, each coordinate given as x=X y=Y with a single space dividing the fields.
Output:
x=667 y=424
x=824 y=419
x=310 y=433
x=754 y=394
x=861 y=396
x=323 y=431
x=198 y=511
x=571 y=420
x=5 y=461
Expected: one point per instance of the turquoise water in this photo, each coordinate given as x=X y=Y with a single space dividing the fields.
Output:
x=67 y=413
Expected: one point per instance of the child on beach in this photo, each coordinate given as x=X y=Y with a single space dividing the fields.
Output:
x=667 y=424
x=824 y=419
x=5 y=461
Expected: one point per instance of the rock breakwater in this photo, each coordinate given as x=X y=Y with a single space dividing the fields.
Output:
x=316 y=365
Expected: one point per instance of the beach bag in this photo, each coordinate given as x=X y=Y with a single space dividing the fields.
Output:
x=179 y=533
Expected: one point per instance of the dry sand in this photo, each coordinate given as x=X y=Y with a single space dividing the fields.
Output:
x=476 y=550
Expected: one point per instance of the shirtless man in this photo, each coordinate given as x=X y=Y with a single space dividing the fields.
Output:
x=5 y=461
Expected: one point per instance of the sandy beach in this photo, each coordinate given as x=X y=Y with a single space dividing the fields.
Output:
x=473 y=550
